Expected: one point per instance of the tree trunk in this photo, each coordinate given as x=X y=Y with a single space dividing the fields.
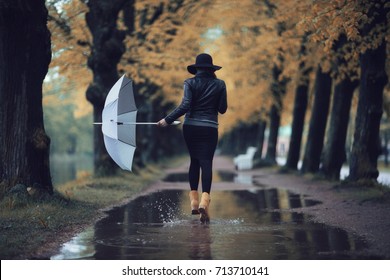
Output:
x=334 y=152
x=373 y=78
x=300 y=107
x=107 y=50
x=365 y=148
x=317 y=127
x=25 y=54
x=299 y=112
x=260 y=140
x=278 y=89
x=274 y=117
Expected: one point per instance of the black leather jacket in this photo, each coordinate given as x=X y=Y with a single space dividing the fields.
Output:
x=204 y=97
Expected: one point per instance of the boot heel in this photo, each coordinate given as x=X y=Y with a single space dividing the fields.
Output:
x=194 y=200
x=204 y=217
x=203 y=208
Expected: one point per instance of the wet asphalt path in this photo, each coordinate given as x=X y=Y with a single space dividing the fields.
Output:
x=248 y=221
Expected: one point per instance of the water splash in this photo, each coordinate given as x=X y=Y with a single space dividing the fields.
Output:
x=160 y=226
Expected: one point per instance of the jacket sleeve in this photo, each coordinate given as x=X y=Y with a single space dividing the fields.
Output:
x=183 y=107
x=223 y=101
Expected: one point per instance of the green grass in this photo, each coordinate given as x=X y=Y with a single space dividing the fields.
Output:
x=36 y=227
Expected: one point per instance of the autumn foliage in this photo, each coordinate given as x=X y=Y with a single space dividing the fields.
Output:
x=249 y=38
x=242 y=36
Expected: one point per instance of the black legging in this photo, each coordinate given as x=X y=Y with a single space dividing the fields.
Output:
x=194 y=173
x=201 y=143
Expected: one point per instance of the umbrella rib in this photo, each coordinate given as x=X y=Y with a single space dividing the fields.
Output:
x=125 y=112
x=127 y=143
x=127 y=82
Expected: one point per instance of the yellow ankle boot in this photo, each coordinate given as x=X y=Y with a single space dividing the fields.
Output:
x=204 y=207
x=194 y=199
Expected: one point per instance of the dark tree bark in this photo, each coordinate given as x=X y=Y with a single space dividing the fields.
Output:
x=317 y=127
x=334 y=154
x=25 y=54
x=366 y=147
x=334 y=151
x=260 y=140
x=278 y=89
x=274 y=117
x=300 y=106
x=373 y=78
x=242 y=136
x=299 y=112
x=107 y=50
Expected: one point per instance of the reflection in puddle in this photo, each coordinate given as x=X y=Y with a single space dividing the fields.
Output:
x=245 y=225
x=79 y=247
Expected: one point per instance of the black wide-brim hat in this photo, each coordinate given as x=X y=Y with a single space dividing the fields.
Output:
x=203 y=60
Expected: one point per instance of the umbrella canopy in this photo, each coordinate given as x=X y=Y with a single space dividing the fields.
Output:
x=120 y=108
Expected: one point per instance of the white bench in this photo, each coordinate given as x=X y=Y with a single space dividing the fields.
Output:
x=245 y=161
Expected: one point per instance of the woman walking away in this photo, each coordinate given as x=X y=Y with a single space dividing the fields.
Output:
x=204 y=96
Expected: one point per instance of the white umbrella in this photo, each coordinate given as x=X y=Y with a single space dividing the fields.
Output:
x=119 y=123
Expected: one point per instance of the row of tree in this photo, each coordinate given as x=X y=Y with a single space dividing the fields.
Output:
x=270 y=51
x=344 y=44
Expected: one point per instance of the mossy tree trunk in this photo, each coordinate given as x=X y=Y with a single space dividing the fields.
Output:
x=25 y=54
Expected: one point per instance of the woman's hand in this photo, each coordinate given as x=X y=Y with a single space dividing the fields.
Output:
x=162 y=123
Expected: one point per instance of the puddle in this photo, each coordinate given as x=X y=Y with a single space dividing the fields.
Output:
x=218 y=176
x=257 y=225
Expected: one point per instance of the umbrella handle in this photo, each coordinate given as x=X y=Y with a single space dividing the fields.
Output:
x=138 y=123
